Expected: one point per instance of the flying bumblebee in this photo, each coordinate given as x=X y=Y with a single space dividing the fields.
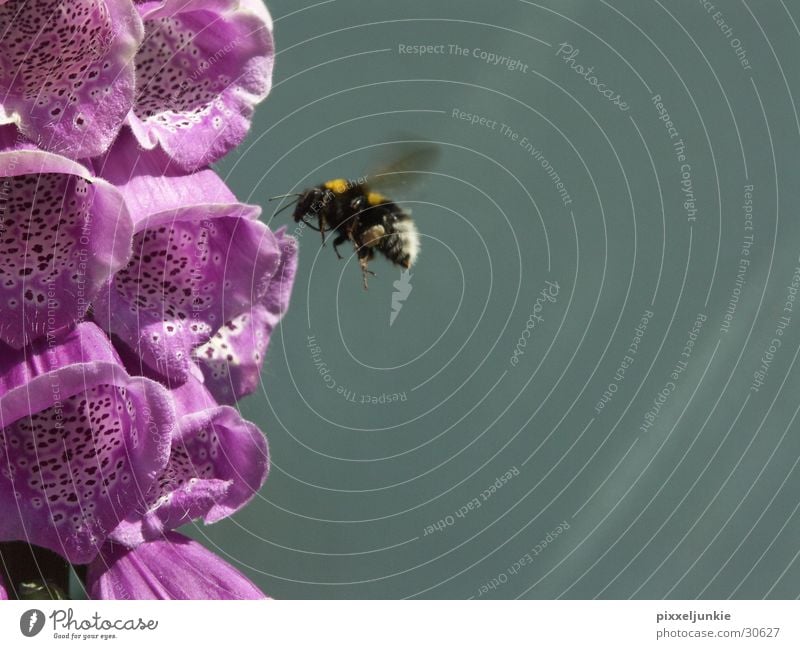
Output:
x=358 y=211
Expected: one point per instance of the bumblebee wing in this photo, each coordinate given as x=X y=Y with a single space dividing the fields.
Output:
x=412 y=159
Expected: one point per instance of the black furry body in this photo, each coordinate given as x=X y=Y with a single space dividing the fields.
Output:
x=368 y=219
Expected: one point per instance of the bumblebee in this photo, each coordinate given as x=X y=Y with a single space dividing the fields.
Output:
x=356 y=211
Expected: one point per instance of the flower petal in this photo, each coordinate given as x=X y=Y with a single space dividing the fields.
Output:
x=231 y=360
x=156 y=190
x=192 y=269
x=79 y=440
x=217 y=464
x=202 y=68
x=63 y=234
x=66 y=70
x=3 y=590
x=174 y=567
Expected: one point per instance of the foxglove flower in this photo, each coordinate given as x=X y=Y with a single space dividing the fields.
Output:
x=202 y=68
x=232 y=359
x=63 y=234
x=217 y=462
x=80 y=439
x=3 y=591
x=173 y=567
x=200 y=258
x=67 y=71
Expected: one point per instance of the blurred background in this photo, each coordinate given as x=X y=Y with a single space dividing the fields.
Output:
x=586 y=387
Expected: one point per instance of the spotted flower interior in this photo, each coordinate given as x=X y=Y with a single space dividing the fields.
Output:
x=182 y=281
x=81 y=437
x=201 y=69
x=70 y=457
x=66 y=70
x=63 y=233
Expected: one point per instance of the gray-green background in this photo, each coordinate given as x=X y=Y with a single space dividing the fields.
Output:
x=698 y=498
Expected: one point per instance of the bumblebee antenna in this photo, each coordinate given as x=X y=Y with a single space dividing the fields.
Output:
x=285 y=207
x=288 y=205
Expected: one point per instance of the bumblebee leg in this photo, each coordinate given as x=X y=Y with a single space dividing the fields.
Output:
x=364 y=256
x=310 y=225
x=338 y=242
